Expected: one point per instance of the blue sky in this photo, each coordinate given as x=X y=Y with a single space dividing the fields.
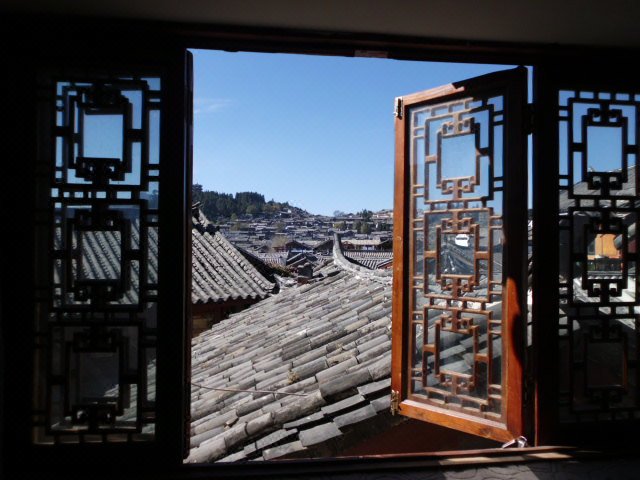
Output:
x=314 y=131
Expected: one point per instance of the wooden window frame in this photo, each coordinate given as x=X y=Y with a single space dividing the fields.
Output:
x=549 y=79
x=50 y=42
x=512 y=85
x=172 y=65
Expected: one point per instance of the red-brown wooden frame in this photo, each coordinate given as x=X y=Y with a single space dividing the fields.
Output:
x=511 y=84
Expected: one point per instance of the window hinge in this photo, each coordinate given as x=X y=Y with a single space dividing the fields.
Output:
x=395 y=402
x=398 y=108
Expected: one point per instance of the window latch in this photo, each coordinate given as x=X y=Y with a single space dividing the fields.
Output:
x=520 y=442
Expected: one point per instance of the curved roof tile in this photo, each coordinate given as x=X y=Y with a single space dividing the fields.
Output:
x=328 y=340
x=221 y=273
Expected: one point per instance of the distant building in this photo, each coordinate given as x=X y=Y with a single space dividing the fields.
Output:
x=293 y=246
x=367 y=244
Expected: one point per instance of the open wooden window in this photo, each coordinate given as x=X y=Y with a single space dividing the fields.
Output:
x=460 y=255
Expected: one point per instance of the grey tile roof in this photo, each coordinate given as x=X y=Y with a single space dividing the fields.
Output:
x=328 y=340
x=363 y=242
x=379 y=276
x=368 y=258
x=268 y=270
x=291 y=260
x=302 y=373
x=298 y=261
x=221 y=273
x=101 y=254
x=582 y=188
x=323 y=245
x=279 y=258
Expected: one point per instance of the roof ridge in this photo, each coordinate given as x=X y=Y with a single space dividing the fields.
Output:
x=383 y=277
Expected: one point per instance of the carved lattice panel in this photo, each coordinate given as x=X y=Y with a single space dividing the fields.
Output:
x=598 y=205
x=456 y=157
x=96 y=333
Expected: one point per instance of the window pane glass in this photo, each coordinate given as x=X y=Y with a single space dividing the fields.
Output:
x=457 y=339
x=598 y=205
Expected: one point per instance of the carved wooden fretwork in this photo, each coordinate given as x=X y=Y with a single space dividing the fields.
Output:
x=599 y=305
x=96 y=329
x=456 y=231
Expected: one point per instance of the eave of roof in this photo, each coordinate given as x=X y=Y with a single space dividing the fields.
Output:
x=221 y=273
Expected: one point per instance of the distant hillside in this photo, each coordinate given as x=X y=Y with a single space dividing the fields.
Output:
x=215 y=204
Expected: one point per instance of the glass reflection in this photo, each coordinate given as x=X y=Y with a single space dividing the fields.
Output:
x=457 y=254
x=604 y=258
x=598 y=291
x=96 y=371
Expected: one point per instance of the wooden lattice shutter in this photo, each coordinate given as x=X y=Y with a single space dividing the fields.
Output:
x=460 y=255
x=586 y=308
x=102 y=336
